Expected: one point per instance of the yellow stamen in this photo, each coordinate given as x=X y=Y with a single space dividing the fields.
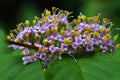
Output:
x=45 y=49
x=111 y=24
x=27 y=35
x=96 y=18
x=83 y=17
x=56 y=29
x=39 y=48
x=8 y=37
x=86 y=32
x=11 y=34
x=76 y=33
x=27 y=22
x=19 y=25
x=36 y=18
x=95 y=33
x=118 y=46
x=88 y=27
x=47 y=12
x=18 y=40
x=25 y=42
x=47 y=31
x=62 y=32
x=101 y=29
x=78 y=17
x=52 y=20
x=55 y=16
x=104 y=39
x=62 y=50
x=88 y=40
x=52 y=29
x=105 y=20
x=54 y=8
x=108 y=36
x=37 y=36
x=52 y=42
x=115 y=37
x=44 y=42
x=67 y=13
x=76 y=28
x=46 y=18
x=76 y=21
x=34 y=21
x=15 y=30
x=107 y=30
x=42 y=22
x=90 y=19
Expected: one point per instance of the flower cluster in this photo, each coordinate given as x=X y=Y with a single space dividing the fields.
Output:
x=53 y=35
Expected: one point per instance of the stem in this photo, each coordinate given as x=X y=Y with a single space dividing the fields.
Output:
x=24 y=45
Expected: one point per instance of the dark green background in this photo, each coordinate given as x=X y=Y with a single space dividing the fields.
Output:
x=93 y=66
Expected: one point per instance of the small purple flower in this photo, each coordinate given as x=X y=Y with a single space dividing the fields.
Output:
x=64 y=46
x=95 y=41
x=63 y=20
x=26 y=51
x=28 y=59
x=67 y=33
x=52 y=48
x=55 y=36
x=89 y=48
x=95 y=27
x=48 y=39
x=110 y=43
x=61 y=39
x=74 y=45
x=78 y=40
x=103 y=46
x=42 y=30
x=42 y=56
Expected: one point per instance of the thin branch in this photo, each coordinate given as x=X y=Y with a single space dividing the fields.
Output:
x=24 y=45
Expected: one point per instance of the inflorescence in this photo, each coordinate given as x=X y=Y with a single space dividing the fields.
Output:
x=53 y=35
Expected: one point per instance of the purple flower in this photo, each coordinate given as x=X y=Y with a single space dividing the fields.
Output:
x=78 y=40
x=95 y=41
x=63 y=20
x=28 y=59
x=55 y=36
x=74 y=45
x=26 y=51
x=42 y=30
x=89 y=48
x=95 y=27
x=64 y=46
x=103 y=46
x=110 y=43
x=52 y=48
x=42 y=56
x=61 y=39
x=48 y=39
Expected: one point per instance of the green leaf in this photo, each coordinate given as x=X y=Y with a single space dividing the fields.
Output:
x=95 y=67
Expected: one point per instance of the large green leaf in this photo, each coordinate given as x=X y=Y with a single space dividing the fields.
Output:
x=96 y=67
x=90 y=66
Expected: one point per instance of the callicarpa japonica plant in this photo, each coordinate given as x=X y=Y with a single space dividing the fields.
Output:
x=53 y=35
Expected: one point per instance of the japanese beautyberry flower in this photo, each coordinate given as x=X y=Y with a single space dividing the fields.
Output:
x=53 y=35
